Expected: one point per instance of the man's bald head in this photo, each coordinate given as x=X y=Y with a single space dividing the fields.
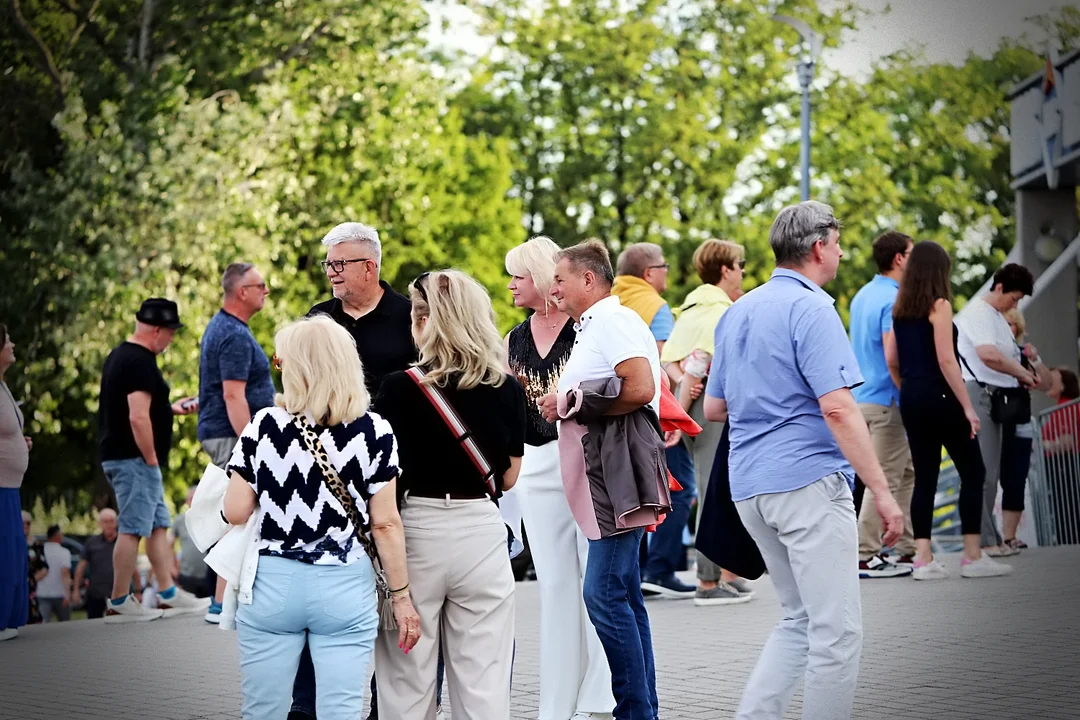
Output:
x=107 y=522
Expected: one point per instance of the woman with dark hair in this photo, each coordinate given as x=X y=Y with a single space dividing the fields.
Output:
x=936 y=409
x=14 y=457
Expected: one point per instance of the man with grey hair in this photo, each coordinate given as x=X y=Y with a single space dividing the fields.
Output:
x=640 y=278
x=234 y=375
x=782 y=374
x=380 y=321
x=378 y=318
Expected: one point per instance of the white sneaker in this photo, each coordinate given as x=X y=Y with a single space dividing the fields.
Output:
x=8 y=634
x=592 y=716
x=1002 y=550
x=129 y=611
x=183 y=603
x=984 y=567
x=933 y=570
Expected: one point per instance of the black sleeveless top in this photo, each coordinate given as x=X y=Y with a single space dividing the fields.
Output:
x=917 y=353
x=539 y=376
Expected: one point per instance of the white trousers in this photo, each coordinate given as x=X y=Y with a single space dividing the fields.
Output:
x=809 y=541
x=574 y=674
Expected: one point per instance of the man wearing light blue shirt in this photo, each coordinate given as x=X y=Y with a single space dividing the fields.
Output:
x=781 y=376
x=879 y=402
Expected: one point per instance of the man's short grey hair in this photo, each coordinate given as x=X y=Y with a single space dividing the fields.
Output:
x=592 y=256
x=796 y=229
x=357 y=233
x=233 y=276
x=636 y=259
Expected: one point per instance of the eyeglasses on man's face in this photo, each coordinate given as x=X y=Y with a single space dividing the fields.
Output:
x=741 y=264
x=261 y=286
x=662 y=266
x=339 y=265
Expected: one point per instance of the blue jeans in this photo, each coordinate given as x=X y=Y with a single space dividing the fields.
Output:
x=666 y=544
x=332 y=609
x=617 y=611
x=140 y=496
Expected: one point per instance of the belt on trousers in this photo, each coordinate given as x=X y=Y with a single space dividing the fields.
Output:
x=432 y=495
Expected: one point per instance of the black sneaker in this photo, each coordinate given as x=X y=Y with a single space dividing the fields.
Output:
x=669 y=587
x=879 y=567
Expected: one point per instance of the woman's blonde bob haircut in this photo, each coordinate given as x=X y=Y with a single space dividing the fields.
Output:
x=460 y=338
x=535 y=259
x=321 y=373
x=1017 y=318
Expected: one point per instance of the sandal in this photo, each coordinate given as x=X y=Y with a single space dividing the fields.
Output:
x=1016 y=544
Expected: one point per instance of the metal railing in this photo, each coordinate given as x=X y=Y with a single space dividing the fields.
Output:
x=1055 y=476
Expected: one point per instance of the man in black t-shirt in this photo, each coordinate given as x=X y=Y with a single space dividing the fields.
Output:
x=97 y=564
x=134 y=436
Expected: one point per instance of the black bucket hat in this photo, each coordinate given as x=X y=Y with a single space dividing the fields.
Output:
x=160 y=313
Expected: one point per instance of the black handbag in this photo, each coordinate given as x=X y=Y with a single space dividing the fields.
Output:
x=1008 y=406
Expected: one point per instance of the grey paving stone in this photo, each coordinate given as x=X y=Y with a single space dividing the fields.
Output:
x=959 y=649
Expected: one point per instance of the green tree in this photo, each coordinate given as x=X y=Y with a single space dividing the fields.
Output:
x=629 y=120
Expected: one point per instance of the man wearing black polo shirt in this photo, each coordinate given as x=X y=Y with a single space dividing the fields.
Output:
x=380 y=320
x=377 y=317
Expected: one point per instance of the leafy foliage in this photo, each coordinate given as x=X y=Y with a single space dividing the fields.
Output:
x=148 y=144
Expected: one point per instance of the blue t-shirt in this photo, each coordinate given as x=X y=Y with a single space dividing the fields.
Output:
x=230 y=352
x=662 y=324
x=871 y=317
x=778 y=350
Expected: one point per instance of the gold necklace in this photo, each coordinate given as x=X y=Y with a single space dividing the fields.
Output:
x=549 y=327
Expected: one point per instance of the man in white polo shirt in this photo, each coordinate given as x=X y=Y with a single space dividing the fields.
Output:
x=612 y=341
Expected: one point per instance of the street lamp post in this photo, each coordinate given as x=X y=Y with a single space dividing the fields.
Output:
x=811 y=50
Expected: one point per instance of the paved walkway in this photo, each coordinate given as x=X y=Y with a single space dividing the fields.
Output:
x=1002 y=648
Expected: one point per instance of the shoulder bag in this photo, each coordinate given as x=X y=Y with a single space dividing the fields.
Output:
x=468 y=443
x=459 y=430
x=1008 y=406
x=337 y=488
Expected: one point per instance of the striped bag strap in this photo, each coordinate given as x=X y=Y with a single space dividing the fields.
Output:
x=457 y=427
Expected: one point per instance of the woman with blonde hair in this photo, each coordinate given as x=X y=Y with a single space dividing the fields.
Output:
x=319 y=471
x=574 y=677
x=460 y=422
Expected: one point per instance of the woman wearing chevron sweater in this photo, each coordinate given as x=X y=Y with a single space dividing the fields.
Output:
x=319 y=472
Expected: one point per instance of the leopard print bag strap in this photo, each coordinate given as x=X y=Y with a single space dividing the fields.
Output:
x=337 y=486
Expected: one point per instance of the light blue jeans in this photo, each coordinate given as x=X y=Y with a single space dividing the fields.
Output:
x=333 y=609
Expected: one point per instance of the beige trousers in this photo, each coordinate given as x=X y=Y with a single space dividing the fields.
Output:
x=891 y=448
x=463 y=589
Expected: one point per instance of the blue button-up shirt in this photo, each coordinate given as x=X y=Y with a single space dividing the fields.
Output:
x=778 y=349
x=871 y=317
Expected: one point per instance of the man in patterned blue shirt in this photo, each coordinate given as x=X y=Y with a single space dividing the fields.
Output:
x=234 y=377
x=782 y=374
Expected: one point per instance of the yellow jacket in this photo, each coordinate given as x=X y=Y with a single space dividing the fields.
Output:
x=695 y=323
x=638 y=295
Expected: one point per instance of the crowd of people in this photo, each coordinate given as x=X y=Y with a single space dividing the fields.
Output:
x=375 y=490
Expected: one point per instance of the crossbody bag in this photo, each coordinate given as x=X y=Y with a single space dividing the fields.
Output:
x=337 y=488
x=1008 y=406
x=459 y=430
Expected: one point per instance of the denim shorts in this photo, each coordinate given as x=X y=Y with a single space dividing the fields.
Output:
x=140 y=496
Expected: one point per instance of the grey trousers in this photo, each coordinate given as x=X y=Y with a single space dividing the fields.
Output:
x=809 y=542
x=703 y=451
x=219 y=449
x=53 y=607
x=990 y=439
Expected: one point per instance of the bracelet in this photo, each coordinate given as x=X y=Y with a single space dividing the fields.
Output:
x=400 y=590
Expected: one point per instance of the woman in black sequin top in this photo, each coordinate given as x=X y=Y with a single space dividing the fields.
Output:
x=537 y=351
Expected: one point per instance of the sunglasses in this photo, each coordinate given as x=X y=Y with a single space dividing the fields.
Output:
x=418 y=283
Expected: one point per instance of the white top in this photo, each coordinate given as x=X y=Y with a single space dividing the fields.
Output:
x=607 y=335
x=983 y=325
x=52 y=585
